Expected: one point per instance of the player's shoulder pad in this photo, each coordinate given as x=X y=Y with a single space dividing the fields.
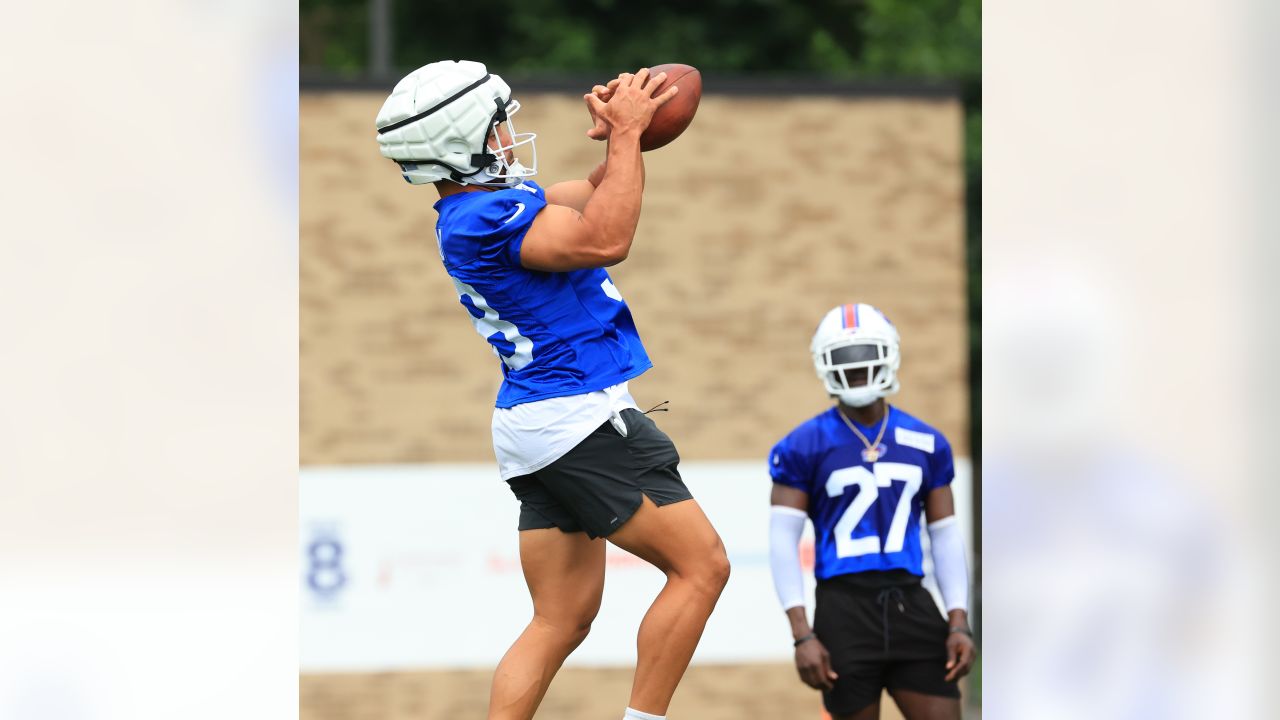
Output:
x=806 y=438
x=911 y=431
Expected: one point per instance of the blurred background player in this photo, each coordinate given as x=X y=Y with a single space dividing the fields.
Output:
x=582 y=460
x=862 y=472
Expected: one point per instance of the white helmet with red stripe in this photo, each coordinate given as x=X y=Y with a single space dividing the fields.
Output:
x=855 y=353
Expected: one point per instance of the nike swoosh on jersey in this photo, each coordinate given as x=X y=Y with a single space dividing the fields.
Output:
x=519 y=209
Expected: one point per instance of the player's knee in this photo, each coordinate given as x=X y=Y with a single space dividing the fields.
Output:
x=587 y=613
x=583 y=625
x=580 y=627
x=720 y=569
x=712 y=573
x=568 y=630
x=577 y=633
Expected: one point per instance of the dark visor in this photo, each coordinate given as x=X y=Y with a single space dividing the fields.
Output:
x=854 y=353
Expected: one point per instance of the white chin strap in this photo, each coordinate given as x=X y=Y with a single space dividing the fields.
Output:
x=512 y=174
x=499 y=175
x=502 y=174
x=859 y=397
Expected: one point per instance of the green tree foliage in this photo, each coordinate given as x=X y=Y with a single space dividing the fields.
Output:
x=533 y=36
x=840 y=38
x=333 y=35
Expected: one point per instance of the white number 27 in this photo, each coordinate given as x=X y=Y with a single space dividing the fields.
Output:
x=868 y=490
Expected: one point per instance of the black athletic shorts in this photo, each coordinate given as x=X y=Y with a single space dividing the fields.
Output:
x=883 y=630
x=597 y=486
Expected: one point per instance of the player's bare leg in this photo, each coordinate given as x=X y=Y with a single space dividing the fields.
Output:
x=678 y=540
x=565 y=575
x=919 y=706
x=870 y=712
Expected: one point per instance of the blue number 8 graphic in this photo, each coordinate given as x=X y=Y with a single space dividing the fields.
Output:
x=325 y=575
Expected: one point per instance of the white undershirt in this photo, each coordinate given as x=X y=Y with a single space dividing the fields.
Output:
x=531 y=436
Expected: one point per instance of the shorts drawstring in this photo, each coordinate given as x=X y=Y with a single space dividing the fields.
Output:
x=882 y=600
x=657 y=408
x=620 y=424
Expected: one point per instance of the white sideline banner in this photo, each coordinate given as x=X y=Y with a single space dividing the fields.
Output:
x=417 y=566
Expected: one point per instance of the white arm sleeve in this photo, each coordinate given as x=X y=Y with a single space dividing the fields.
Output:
x=947 y=547
x=786 y=525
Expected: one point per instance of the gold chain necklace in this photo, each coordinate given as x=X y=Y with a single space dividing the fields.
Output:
x=872 y=452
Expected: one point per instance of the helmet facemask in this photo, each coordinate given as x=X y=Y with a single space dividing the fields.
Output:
x=858 y=370
x=514 y=170
x=499 y=172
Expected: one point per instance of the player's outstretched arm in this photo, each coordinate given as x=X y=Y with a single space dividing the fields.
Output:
x=576 y=193
x=562 y=239
x=786 y=524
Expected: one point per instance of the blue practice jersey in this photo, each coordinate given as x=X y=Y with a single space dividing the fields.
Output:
x=556 y=333
x=866 y=515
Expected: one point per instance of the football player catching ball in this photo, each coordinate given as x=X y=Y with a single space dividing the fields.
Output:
x=585 y=464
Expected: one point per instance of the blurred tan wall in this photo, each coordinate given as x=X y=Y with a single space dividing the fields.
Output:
x=763 y=215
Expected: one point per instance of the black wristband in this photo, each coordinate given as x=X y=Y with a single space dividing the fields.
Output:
x=804 y=639
x=962 y=631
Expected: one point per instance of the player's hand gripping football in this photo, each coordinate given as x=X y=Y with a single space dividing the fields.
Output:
x=600 y=130
x=960 y=655
x=814 y=665
x=626 y=104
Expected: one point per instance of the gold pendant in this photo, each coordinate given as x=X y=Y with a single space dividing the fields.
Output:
x=871 y=454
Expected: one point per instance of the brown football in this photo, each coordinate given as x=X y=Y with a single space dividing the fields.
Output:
x=671 y=119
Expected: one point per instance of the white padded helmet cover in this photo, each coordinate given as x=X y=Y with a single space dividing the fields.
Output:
x=450 y=136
